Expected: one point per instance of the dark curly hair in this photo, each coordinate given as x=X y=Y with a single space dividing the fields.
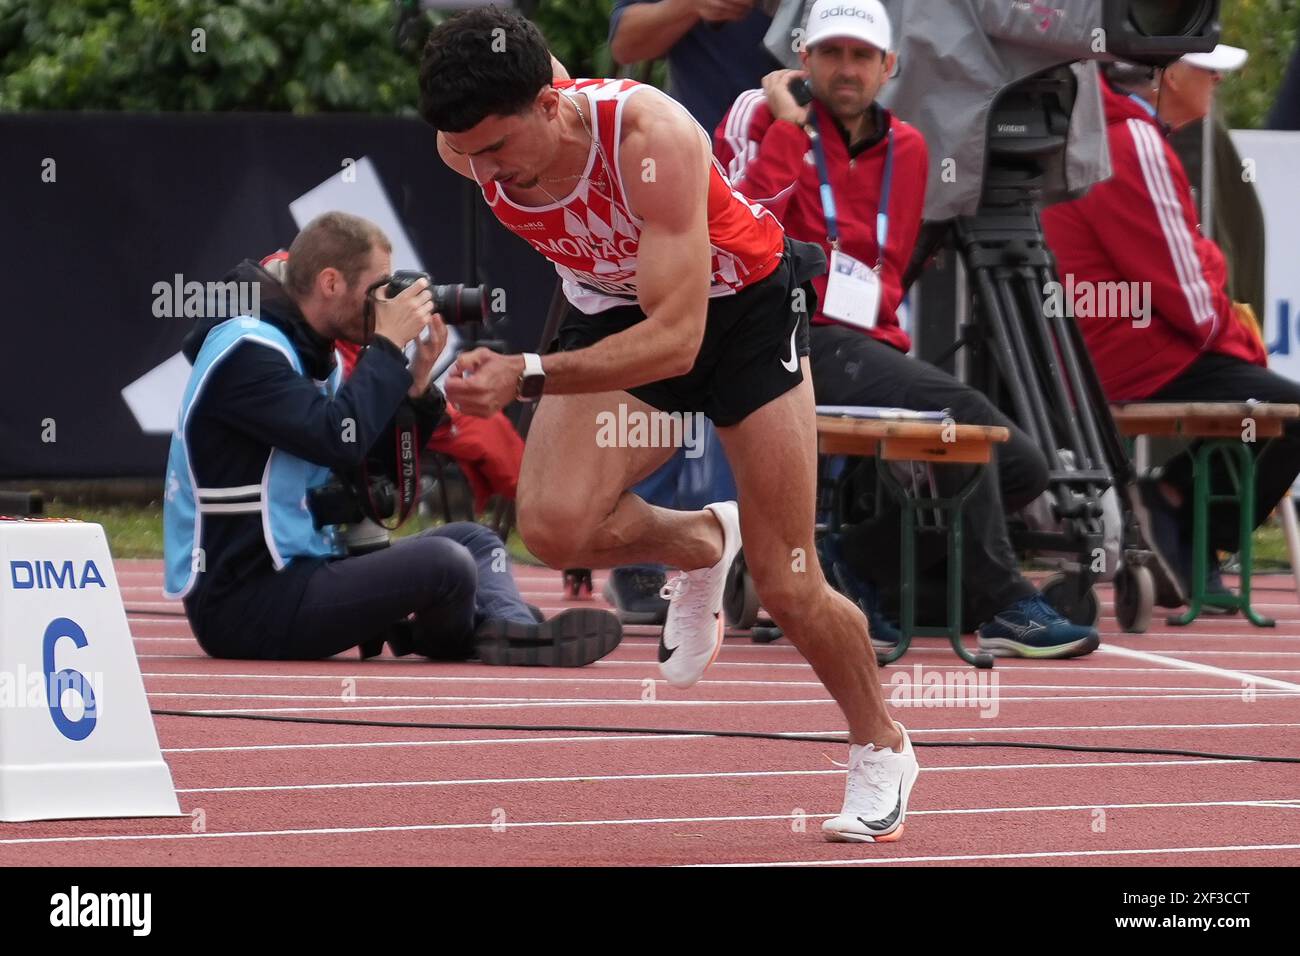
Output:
x=484 y=62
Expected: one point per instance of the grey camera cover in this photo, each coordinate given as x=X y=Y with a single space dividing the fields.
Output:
x=954 y=58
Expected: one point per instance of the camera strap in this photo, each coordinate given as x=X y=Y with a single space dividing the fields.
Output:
x=407 y=471
x=828 y=194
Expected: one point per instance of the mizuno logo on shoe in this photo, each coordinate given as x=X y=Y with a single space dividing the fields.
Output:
x=1025 y=630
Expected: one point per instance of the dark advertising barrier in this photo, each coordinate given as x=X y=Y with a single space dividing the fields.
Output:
x=101 y=213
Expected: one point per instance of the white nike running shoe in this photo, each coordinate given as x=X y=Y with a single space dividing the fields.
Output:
x=875 y=795
x=692 y=635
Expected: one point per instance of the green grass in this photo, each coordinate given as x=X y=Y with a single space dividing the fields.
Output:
x=135 y=531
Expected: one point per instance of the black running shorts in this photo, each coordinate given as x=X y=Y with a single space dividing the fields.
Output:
x=753 y=341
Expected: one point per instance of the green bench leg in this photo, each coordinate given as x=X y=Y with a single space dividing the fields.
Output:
x=953 y=509
x=1244 y=480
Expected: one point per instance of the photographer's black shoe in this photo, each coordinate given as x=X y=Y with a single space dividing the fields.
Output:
x=572 y=638
x=634 y=591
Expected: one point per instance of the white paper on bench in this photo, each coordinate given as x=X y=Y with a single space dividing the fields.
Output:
x=869 y=411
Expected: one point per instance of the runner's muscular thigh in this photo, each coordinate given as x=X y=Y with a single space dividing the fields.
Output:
x=566 y=475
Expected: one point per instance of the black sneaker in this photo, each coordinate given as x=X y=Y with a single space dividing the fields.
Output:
x=885 y=634
x=1033 y=628
x=572 y=638
x=634 y=591
x=1162 y=531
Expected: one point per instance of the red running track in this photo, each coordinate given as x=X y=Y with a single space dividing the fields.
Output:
x=271 y=793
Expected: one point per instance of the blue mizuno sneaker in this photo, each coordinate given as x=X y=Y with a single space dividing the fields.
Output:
x=1033 y=628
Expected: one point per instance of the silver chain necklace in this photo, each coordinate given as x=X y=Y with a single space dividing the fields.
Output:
x=562 y=179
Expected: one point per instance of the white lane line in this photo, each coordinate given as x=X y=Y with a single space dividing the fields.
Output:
x=975 y=703
x=599 y=738
x=1190 y=652
x=1004 y=666
x=1241 y=677
x=652 y=821
x=1247 y=631
x=358 y=676
x=718 y=775
x=473 y=742
x=1047 y=855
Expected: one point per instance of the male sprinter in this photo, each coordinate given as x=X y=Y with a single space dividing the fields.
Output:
x=685 y=298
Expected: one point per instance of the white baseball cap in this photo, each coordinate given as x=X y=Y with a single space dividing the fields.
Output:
x=864 y=20
x=1222 y=59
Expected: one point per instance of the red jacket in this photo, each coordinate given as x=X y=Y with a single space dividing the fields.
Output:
x=1141 y=226
x=772 y=163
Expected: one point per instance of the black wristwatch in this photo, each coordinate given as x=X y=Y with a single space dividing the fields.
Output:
x=532 y=379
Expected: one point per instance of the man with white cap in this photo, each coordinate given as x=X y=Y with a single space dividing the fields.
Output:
x=1237 y=218
x=872 y=167
x=1189 y=342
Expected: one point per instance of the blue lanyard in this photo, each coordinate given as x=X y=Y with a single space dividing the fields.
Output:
x=828 y=195
x=1144 y=104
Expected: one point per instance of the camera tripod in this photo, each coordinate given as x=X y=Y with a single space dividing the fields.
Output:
x=1033 y=363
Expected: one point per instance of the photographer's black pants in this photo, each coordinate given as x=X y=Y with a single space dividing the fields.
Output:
x=1222 y=378
x=852 y=368
x=449 y=578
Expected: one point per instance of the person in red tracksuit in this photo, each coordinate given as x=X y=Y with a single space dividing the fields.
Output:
x=859 y=356
x=1185 y=342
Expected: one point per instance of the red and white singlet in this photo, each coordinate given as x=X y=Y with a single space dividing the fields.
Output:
x=593 y=238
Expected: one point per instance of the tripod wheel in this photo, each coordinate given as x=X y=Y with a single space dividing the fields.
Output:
x=1135 y=596
x=1067 y=593
x=740 y=597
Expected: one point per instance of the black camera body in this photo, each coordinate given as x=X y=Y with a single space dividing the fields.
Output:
x=458 y=304
x=342 y=502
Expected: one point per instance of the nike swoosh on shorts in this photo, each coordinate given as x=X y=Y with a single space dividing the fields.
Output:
x=793 y=364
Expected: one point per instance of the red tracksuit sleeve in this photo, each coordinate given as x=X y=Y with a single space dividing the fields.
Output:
x=1145 y=218
x=763 y=158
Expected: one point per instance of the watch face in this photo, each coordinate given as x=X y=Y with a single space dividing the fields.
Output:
x=530 y=387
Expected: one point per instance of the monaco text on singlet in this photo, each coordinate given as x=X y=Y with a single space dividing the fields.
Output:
x=592 y=236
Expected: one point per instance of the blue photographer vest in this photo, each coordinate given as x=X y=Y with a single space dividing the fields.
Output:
x=280 y=498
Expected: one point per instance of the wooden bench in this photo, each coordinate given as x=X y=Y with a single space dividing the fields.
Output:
x=1227 y=428
x=933 y=443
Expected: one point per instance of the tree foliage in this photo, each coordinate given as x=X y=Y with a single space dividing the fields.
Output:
x=1268 y=30
x=309 y=56
x=299 y=55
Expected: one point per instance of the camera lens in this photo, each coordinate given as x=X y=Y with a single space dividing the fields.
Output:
x=1178 y=18
x=458 y=304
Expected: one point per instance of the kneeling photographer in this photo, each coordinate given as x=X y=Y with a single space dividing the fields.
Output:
x=267 y=444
